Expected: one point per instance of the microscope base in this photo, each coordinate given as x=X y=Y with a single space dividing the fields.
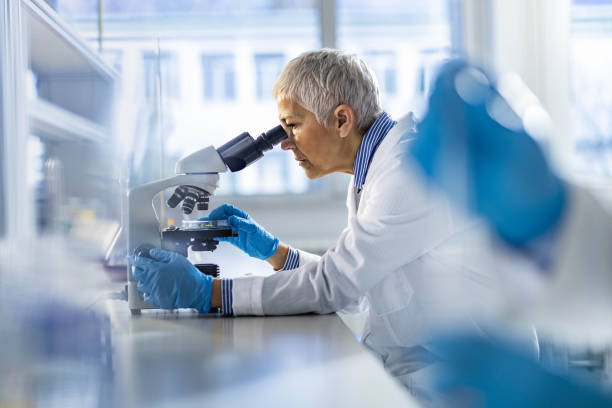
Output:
x=135 y=299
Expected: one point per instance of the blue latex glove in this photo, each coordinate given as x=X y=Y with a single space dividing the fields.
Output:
x=476 y=373
x=170 y=281
x=496 y=171
x=252 y=238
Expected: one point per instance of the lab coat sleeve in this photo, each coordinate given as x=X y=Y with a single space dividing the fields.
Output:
x=356 y=306
x=246 y=293
x=396 y=224
x=306 y=257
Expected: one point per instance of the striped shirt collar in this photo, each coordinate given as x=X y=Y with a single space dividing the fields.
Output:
x=375 y=134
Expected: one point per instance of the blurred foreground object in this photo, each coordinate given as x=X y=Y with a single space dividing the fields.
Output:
x=55 y=333
x=476 y=373
x=474 y=147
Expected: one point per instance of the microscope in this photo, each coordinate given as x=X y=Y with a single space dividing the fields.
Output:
x=151 y=219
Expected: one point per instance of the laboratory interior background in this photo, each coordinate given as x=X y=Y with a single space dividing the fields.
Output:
x=98 y=97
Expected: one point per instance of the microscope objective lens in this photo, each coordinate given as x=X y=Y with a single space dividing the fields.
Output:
x=177 y=197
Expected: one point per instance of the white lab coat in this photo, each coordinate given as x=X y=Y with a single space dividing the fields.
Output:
x=401 y=250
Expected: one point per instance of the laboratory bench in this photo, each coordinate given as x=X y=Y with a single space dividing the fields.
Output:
x=182 y=358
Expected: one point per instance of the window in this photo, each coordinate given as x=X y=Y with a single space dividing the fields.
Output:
x=401 y=41
x=219 y=61
x=227 y=55
x=166 y=67
x=219 y=76
x=384 y=65
x=267 y=68
x=590 y=67
x=217 y=65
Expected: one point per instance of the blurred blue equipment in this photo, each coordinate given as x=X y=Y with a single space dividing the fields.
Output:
x=473 y=147
x=475 y=372
x=252 y=238
x=170 y=281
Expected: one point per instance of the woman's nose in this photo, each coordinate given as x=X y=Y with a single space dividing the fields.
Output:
x=288 y=144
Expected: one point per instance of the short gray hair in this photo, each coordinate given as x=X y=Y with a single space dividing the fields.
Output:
x=323 y=79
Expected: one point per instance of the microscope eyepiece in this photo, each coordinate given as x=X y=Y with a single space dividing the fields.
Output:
x=273 y=136
x=244 y=150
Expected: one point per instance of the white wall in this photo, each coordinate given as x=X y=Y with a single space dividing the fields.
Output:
x=531 y=39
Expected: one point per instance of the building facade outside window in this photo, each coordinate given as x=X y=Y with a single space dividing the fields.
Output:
x=218 y=63
x=384 y=65
x=267 y=68
x=167 y=65
x=590 y=68
x=403 y=41
x=219 y=77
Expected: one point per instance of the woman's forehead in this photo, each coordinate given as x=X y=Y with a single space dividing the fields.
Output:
x=289 y=109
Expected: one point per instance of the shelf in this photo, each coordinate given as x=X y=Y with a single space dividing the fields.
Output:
x=54 y=123
x=56 y=50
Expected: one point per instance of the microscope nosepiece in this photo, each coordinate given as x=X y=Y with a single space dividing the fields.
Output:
x=190 y=196
x=177 y=197
x=203 y=200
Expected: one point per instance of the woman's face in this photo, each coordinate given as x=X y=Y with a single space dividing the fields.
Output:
x=317 y=148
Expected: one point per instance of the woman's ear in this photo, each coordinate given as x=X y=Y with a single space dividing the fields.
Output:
x=344 y=119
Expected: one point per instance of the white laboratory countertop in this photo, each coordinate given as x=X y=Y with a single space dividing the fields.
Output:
x=182 y=359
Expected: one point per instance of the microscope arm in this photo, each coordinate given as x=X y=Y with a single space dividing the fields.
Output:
x=144 y=228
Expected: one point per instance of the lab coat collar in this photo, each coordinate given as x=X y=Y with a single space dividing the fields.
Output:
x=375 y=134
